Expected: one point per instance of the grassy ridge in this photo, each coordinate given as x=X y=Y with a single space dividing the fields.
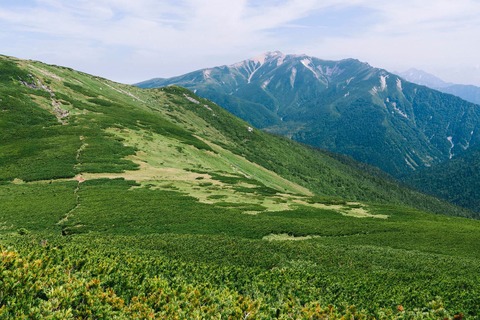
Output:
x=174 y=205
x=321 y=172
x=37 y=146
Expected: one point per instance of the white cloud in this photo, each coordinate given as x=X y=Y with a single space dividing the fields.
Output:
x=436 y=35
x=133 y=40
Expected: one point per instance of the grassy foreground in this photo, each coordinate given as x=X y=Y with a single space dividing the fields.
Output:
x=152 y=254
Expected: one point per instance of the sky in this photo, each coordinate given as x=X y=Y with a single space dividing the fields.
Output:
x=134 y=40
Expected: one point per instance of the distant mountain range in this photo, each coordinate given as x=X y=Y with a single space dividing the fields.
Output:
x=467 y=92
x=344 y=106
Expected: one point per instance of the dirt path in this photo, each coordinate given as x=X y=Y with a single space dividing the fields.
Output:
x=65 y=218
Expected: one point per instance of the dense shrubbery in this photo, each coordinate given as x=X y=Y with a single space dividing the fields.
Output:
x=126 y=237
x=81 y=282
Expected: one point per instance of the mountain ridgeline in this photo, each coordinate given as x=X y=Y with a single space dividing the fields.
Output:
x=466 y=92
x=343 y=106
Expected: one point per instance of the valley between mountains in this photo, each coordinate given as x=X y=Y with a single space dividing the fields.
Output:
x=127 y=203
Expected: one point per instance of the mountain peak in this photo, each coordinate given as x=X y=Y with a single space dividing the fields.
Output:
x=274 y=54
x=264 y=57
x=423 y=78
x=467 y=92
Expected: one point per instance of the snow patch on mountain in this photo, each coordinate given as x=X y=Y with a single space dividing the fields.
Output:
x=252 y=66
x=467 y=142
x=307 y=64
x=251 y=75
x=452 y=145
x=257 y=62
x=267 y=57
x=399 y=84
x=280 y=59
x=293 y=75
x=266 y=83
x=397 y=110
x=382 y=87
x=408 y=160
x=207 y=73
x=333 y=71
x=383 y=82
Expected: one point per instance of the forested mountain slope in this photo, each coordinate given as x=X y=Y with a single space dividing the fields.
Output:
x=344 y=106
x=457 y=181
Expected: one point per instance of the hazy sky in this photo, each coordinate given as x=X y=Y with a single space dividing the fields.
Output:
x=134 y=40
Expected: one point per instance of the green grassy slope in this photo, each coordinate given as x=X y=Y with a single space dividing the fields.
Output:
x=129 y=203
x=323 y=173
